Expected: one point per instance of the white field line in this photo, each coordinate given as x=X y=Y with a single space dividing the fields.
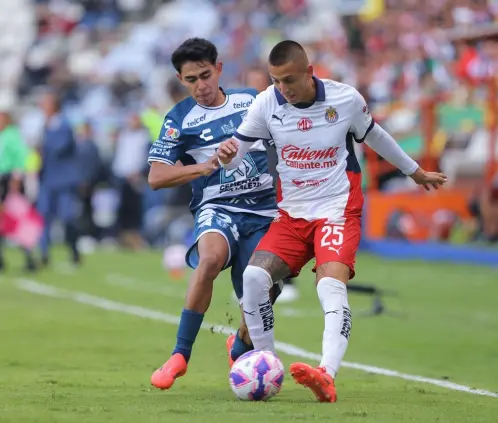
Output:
x=136 y=285
x=64 y=268
x=127 y=282
x=103 y=303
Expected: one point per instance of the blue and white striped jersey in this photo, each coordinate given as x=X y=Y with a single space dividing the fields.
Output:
x=191 y=134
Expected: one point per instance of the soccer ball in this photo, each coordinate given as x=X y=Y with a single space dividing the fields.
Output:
x=257 y=376
x=174 y=257
x=174 y=260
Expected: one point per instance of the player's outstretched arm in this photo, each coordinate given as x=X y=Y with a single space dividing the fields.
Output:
x=163 y=175
x=385 y=145
x=168 y=149
x=365 y=129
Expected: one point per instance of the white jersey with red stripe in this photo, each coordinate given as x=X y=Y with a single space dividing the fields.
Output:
x=319 y=174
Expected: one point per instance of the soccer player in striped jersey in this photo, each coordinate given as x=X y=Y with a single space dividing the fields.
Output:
x=232 y=208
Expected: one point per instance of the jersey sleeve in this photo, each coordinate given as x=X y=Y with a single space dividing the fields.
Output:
x=254 y=127
x=169 y=146
x=362 y=122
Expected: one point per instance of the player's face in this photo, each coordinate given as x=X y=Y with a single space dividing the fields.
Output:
x=201 y=79
x=293 y=80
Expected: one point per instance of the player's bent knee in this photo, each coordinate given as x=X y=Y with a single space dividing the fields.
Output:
x=211 y=264
x=333 y=269
x=256 y=279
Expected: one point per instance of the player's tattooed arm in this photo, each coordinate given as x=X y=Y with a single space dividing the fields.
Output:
x=270 y=262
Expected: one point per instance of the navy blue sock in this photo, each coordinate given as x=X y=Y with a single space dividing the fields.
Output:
x=190 y=324
x=239 y=347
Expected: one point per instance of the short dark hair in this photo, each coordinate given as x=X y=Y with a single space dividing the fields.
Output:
x=284 y=52
x=194 y=50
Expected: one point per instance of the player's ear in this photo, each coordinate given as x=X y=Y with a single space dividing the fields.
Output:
x=310 y=71
x=180 y=78
x=219 y=67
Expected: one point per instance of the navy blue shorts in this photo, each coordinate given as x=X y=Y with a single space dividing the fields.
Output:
x=242 y=232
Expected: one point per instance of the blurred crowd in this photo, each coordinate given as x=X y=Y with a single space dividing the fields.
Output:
x=106 y=65
x=410 y=49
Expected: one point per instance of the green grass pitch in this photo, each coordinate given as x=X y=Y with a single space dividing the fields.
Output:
x=66 y=361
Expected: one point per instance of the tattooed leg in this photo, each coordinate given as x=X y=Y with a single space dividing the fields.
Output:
x=263 y=270
x=271 y=263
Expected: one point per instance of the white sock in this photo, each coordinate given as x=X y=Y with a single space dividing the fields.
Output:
x=333 y=296
x=258 y=310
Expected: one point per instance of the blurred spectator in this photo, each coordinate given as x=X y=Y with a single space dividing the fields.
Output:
x=90 y=171
x=128 y=166
x=59 y=178
x=484 y=208
x=489 y=211
x=257 y=77
x=176 y=91
x=13 y=157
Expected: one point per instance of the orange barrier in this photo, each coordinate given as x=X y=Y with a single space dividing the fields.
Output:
x=419 y=205
x=492 y=126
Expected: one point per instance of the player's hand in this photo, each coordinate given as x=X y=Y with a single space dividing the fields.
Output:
x=227 y=151
x=421 y=177
x=207 y=168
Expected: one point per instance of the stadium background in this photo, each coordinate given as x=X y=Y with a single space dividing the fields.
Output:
x=428 y=70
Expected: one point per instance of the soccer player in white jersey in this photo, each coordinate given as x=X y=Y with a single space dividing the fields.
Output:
x=313 y=123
